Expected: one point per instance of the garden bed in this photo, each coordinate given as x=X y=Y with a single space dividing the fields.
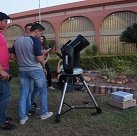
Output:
x=100 y=84
x=99 y=80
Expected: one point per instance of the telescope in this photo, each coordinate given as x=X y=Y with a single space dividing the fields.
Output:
x=71 y=66
x=71 y=53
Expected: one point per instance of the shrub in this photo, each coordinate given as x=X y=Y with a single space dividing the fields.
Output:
x=106 y=70
x=92 y=50
x=14 y=68
x=121 y=65
x=51 y=43
x=129 y=35
x=118 y=63
x=53 y=64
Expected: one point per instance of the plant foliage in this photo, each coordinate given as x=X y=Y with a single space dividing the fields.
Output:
x=91 y=50
x=130 y=34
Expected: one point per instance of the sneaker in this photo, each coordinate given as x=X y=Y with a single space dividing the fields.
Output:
x=34 y=104
x=23 y=121
x=31 y=113
x=8 y=119
x=7 y=126
x=51 y=87
x=47 y=115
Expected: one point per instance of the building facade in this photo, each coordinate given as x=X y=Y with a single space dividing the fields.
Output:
x=100 y=21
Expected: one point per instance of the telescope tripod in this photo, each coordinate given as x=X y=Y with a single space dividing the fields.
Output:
x=68 y=77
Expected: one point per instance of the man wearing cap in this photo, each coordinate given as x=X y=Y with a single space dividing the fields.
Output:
x=4 y=76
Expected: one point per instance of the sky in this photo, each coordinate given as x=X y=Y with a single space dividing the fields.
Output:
x=16 y=6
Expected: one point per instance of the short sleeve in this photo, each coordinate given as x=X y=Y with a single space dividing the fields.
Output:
x=37 y=46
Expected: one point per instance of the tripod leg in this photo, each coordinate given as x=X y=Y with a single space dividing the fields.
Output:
x=90 y=94
x=61 y=103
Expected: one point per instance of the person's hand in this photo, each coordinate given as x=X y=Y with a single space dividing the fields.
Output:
x=46 y=61
x=45 y=52
x=49 y=49
x=4 y=75
x=45 y=71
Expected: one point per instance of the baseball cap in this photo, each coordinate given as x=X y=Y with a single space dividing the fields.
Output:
x=3 y=16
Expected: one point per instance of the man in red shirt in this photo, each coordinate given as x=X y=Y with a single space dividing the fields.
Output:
x=4 y=76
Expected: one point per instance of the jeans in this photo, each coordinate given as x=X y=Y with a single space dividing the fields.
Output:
x=34 y=88
x=39 y=79
x=28 y=101
x=4 y=99
x=34 y=94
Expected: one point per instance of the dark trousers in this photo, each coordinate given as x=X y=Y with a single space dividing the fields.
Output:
x=5 y=94
x=49 y=76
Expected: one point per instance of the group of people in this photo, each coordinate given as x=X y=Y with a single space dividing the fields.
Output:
x=31 y=53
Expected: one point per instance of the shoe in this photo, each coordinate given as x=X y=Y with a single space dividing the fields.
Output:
x=31 y=113
x=34 y=105
x=51 y=87
x=23 y=121
x=8 y=119
x=47 y=115
x=8 y=126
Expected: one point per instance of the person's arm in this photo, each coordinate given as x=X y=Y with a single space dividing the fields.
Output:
x=46 y=55
x=13 y=54
x=37 y=50
x=3 y=74
x=58 y=66
x=47 y=58
x=42 y=62
x=40 y=59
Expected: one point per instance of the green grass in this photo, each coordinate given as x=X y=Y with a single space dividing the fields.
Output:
x=112 y=121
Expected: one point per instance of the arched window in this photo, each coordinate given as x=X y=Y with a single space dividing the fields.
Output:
x=49 y=32
x=112 y=26
x=74 y=26
x=12 y=32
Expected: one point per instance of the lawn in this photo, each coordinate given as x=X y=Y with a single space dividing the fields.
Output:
x=112 y=121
